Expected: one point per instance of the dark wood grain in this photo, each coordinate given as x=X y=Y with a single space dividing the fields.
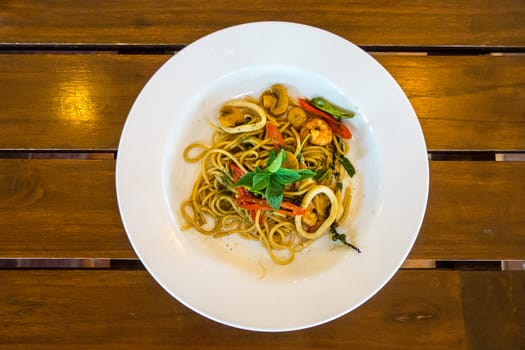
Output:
x=67 y=208
x=81 y=101
x=475 y=211
x=55 y=208
x=127 y=309
x=505 y=327
x=409 y=22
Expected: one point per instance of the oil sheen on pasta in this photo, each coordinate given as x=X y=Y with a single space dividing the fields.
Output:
x=284 y=215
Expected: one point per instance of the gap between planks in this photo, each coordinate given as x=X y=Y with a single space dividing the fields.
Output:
x=156 y=49
x=70 y=263
x=135 y=264
x=112 y=154
x=66 y=154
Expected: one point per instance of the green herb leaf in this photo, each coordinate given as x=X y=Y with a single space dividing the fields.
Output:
x=260 y=181
x=274 y=195
x=286 y=176
x=277 y=162
x=306 y=174
x=321 y=174
x=271 y=158
x=348 y=166
x=270 y=182
x=336 y=236
x=246 y=180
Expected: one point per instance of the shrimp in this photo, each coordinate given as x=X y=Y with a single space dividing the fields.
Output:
x=319 y=130
x=310 y=217
x=314 y=213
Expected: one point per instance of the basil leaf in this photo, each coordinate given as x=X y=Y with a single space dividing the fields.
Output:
x=271 y=158
x=285 y=176
x=305 y=174
x=321 y=174
x=260 y=181
x=246 y=180
x=277 y=162
x=348 y=166
x=274 y=195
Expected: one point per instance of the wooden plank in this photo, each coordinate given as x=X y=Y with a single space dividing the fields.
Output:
x=69 y=101
x=409 y=22
x=67 y=209
x=81 y=101
x=494 y=310
x=475 y=211
x=50 y=309
x=465 y=103
x=60 y=208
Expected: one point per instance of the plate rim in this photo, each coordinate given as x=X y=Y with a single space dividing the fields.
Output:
x=137 y=249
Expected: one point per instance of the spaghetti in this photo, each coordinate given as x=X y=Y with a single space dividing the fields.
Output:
x=273 y=172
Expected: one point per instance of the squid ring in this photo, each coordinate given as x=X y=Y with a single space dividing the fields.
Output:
x=309 y=196
x=245 y=127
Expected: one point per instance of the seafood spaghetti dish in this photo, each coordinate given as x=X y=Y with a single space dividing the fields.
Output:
x=274 y=171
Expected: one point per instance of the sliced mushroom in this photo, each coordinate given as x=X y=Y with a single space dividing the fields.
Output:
x=269 y=101
x=275 y=99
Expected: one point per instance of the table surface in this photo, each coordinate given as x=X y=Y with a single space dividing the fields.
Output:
x=69 y=73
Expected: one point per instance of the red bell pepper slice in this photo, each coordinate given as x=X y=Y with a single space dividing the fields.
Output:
x=251 y=203
x=337 y=127
x=237 y=173
x=294 y=209
x=242 y=193
x=274 y=134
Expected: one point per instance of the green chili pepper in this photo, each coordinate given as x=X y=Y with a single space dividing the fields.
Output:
x=331 y=109
x=347 y=165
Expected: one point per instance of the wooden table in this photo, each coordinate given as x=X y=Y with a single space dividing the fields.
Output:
x=69 y=73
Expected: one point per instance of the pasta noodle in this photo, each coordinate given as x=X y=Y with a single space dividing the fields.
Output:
x=273 y=172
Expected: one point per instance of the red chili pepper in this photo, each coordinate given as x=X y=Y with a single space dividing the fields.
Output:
x=295 y=209
x=242 y=193
x=273 y=133
x=337 y=127
x=251 y=203
x=251 y=200
x=340 y=129
x=236 y=171
x=253 y=206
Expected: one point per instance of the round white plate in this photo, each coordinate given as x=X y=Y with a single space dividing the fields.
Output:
x=231 y=280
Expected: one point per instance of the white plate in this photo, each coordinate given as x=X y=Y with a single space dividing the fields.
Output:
x=231 y=280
